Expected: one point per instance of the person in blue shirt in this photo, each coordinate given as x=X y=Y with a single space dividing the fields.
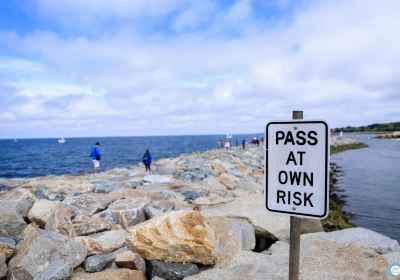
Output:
x=147 y=160
x=96 y=157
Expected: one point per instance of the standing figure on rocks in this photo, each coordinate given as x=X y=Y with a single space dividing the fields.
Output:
x=96 y=157
x=147 y=160
x=244 y=143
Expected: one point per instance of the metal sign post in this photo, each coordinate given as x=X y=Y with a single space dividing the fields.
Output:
x=295 y=230
x=297 y=175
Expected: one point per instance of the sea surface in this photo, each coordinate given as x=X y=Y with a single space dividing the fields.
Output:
x=38 y=157
x=371 y=184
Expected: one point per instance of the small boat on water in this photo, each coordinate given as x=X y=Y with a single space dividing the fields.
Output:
x=15 y=140
x=61 y=140
x=341 y=134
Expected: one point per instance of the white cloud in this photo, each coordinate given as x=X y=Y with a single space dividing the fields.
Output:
x=336 y=60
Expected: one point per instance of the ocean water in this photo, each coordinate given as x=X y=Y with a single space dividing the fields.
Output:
x=39 y=157
x=371 y=184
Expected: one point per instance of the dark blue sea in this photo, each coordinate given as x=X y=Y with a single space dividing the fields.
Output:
x=371 y=184
x=39 y=157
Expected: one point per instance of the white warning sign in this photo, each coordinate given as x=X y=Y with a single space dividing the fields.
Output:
x=297 y=168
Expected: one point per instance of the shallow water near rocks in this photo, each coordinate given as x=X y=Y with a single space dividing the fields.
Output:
x=371 y=184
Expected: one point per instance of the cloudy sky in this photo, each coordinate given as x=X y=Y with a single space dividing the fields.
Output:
x=155 y=67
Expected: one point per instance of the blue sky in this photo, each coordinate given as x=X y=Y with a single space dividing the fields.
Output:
x=151 y=67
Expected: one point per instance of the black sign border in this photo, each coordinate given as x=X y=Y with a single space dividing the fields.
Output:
x=327 y=150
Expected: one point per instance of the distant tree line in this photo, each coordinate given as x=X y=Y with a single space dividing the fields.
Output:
x=376 y=127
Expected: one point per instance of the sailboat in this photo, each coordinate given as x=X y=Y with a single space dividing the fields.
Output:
x=61 y=140
x=341 y=134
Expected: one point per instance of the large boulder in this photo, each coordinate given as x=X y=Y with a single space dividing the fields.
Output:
x=252 y=206
x=111 y=274
x=179 y=236
x=371 y=239
x=57 y=188
x=20 y=200
x=233 y=235
x=91 y=225
x=7 y=246
x=42 y=210
x=318 y=260
x=92 y=246
x=41 y=250
x=60 y=221
x=129 y=212
x=11 y=223
x=82 y=206
x=171 y=271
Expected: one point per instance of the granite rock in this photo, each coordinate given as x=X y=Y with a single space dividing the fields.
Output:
x=179 y=236
x=41 y=248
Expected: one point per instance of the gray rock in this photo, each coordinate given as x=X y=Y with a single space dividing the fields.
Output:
x=7 y=246
x=11 y=223
x=97 y=263
x=40 y=248
x=110 y=240
x=158 y=179
x=152 y=212
x=43 y=192
x=234 y=235
x=92 y=225
x=171 y=271
x=57 y=270
x=393 y=258
x=18 y=274
x=108 y=215
x=376 y=241
x=82 y=206
x=20 y=200
x=3 y=266
x=129 y=212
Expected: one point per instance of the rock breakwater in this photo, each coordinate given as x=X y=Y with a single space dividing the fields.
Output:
x=197 y=216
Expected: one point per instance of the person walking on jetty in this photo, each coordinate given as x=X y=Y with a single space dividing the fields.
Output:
x=96 y=157
x=147 y=160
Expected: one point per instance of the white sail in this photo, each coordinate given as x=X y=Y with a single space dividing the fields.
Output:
x=61 y=140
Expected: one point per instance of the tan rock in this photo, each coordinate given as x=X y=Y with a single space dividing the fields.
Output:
x=228 y=181
x=131 y=260
x=111 y=274
x=42 y=210
x=60 y=221
x=92 y=246
x=180 y=236
x=212 y=199
x=318 y=260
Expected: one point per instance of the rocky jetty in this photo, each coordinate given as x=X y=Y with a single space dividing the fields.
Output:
x=389 y=135
x=197 y=216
